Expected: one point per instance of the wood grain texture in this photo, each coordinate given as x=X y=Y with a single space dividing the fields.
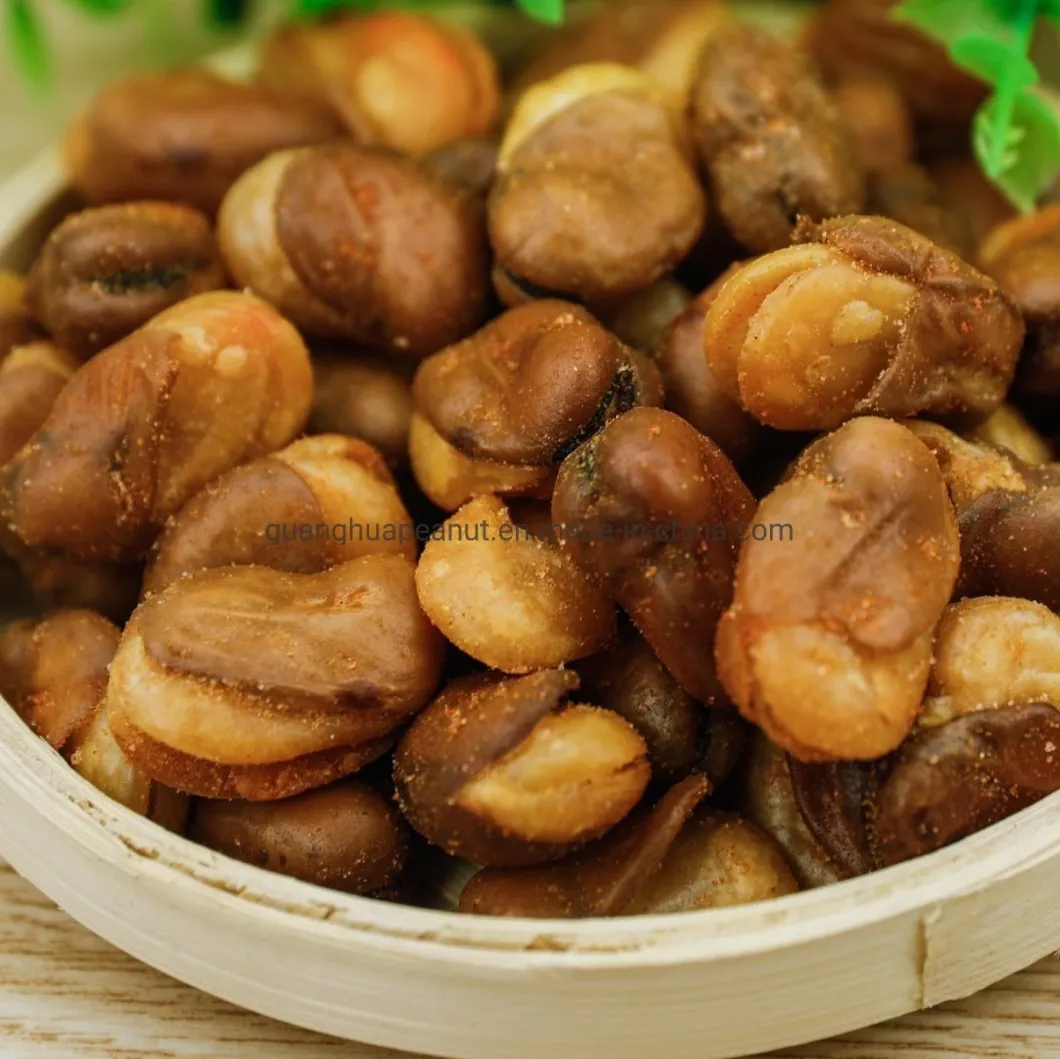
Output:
x=65 y=994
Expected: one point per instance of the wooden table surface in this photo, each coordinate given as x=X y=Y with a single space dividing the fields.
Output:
x=65 y=994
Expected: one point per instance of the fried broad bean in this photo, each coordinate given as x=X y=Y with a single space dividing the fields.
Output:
x=643 y=320
x=365 y=398
x=1023 y=256
x=656 y=510
x=574 y=211
x=691 y=389
x=768 y=799
x=54 y=673
x=392 y=78
x=143 y=426
x=356 y=243
x=888 y=324
x=469 y=164
x=532 y=385
x=105 y=272
x=907 y=194
x=505 y=772
x=673 y=858
x=1008 y=514
x=31 y=378
x=827 y=645
x=770 y=138
x=512 y=601
x=346 y=837
x=1009 y=429
x=629 y=679
x=182 y=136
x=338 y=487
x=986 y=743
x=16 y=325
x=662 y=38
x=862 y=36
x=450 y=479
x=877 y=120
x=257 y=684
x=970 y=192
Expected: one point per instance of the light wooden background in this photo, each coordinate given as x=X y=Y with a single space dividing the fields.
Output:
x=65 y=994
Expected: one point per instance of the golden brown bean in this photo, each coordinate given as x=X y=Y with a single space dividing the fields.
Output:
x=346 y=837
x=986 y=742
x=862 y=36
x=770 y=139
x=363 y=397
x=969 y=190
x=532 y=385
x=392 y=78
x=656 y=511
x=888 y=323
x=54 y=673
x=1008 y=428
x=503 y=772
x=878 y=121
x=16 y=326
x=510 y=600
x=574 y=212
x=319 y=502
x=31 y=378
x=182 y=136
x=629 y=679
x=144 y=425
x=362 y=244
x=663 y=38
x=643 y=320
x=257 y=684
x=105 y=272
x=1023 y=256
x=469 y=164
x=691 y=389
x=601 y=880
x=827 y=646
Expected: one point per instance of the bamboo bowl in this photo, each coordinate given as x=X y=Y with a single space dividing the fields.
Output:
x=701 y=985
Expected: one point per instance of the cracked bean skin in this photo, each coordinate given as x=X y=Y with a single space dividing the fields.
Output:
x=104 y=272
x=827 y=645
x=1023 y=256
x=691 y=388
x=346 y=837
x=529 y=388
x=257 y=684
x=641 y=506
x=363 y=397
x=986 y=743
x=505 y=772
x=512 y=601
x=574 y=213
x=889 y=324
x=144 y=425
x=392 y=78
x=53 y=672
x=359 y=243
x=1008 y=513
x=31 y=378
x=770 y=139
x=182 y=135
x=249 y=515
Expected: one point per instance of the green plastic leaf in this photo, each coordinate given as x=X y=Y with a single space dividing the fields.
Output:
x=950 y=20
x=1031 y=158
x=1050 y=8
x=227 y=13
x=318 y=8
x=25 y=39
x=544 y=10
x=994 y=61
